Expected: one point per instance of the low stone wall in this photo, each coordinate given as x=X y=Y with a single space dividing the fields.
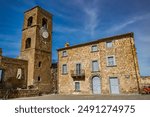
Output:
x=18 y=93
x=145 y=81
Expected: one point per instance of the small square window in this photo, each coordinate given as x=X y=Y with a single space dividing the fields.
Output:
x=77 y=86
x=64 y=53
x=109 y=44
x=111 y=61
x=64 y=69
x=94 y=48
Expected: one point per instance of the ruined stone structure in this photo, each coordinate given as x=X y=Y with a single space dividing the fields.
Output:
x=34 y=63
x=9 y=69
x=104 y=66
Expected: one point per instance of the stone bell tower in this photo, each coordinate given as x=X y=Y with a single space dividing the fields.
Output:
x=36 y=47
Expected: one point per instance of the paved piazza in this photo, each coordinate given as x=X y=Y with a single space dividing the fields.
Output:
x=87 y=97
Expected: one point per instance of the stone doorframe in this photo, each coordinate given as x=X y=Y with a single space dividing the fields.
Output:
x=91 y=83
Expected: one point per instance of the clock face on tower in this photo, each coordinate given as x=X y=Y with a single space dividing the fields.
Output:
x=45 y=34
x=44 y=37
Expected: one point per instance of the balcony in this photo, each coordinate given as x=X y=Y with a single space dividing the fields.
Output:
x=78 y=73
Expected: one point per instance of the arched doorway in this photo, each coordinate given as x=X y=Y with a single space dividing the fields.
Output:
x=96 y=85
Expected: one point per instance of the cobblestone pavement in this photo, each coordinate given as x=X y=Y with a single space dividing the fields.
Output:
x=87 y=97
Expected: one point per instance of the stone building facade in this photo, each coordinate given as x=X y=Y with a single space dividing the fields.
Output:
x=34 y=63
x=105 y=66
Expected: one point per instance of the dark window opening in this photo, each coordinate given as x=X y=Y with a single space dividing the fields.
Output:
x=40 y=63
x=30 y=20
x=1 y=75
x=28 y=43
x=39 y=78
x=44 y=23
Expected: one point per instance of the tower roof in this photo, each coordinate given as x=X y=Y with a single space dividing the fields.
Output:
x=38 y=8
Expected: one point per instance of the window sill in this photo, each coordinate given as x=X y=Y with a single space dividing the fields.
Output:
x=109 y=47
x=94 y=51
x=111 y=65
x=95 y=71
x=77 y=90
x=64 y=73
x=64 y=56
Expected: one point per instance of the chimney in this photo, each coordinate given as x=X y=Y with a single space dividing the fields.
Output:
x=0 y=51
x=67 y=45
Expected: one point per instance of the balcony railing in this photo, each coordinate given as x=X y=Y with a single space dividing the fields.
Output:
x=78 y=73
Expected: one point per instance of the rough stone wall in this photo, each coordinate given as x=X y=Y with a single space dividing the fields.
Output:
x=28 y=54
x=18 y=93
x=54 y=77
x=10 y=67
x=43 y=72
x=125 y=69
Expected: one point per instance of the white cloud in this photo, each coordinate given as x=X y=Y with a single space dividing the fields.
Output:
x=91 y=22
x=91 y=16
x=88 y=20
x=122 y=25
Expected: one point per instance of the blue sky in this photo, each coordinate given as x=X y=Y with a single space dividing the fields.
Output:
x=78 y=21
